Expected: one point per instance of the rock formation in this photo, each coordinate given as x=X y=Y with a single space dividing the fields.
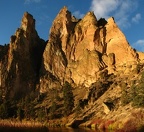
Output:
x=78 y=50
x=117 y=44
x=20 y=69
x=91 y=56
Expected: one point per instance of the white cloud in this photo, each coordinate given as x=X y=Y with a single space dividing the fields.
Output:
x=102 y=8
x=119 y=9
x=77 y=14
x=139 y=44
x=136 y=18
x=141 y=41
x=29 y=1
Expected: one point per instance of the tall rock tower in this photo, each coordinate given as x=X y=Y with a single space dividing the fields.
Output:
x=20 y=69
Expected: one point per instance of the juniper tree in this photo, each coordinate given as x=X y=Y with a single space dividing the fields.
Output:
x=68 y=98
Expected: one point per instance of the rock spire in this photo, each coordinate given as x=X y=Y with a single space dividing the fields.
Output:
x=20 y=69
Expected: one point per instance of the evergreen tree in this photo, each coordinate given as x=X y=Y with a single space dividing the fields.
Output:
x=3 y=111
x=68 y=98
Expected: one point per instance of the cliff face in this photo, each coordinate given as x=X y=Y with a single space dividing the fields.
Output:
x=90 y=57
x=79 y=49
x=20 y=68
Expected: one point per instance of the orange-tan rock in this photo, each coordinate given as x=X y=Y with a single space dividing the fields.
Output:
x=103 y=72
x=117 y=44
x=78 y=49
x=23 y=59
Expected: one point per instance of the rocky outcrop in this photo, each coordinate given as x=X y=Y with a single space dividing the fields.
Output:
x=54 y=57
x=92 y=56
x=3 y=63
x=79 y=49
x=117 y=44
x=141 y=56
x=23 y=59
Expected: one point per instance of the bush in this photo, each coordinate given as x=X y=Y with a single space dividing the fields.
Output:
x=3 y=111
x=137 y=95
x=53 y=109
x=40 y=114
x=130 y=126
x=8 y=109
x=125 y=97
x=134 y=94
x=20 y=114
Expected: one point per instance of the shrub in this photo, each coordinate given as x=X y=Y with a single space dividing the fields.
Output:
x=130 y=126
x=40 y=114
x=135 y=124
x=3 y=111
x=96 y=123
x=53 y=108
x=137 y=95
x=139 y=118
x=134 y=94
x=20 y=113
x=125 y=97
x=8 y=109
x=108 y=124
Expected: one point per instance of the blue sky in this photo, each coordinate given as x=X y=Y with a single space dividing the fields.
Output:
x=128 y=14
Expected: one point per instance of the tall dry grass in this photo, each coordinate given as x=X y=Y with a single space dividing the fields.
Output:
x=20 y=124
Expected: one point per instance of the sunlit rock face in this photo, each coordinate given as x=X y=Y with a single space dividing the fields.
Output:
x=23 y=59
x=117 y=44
x=54 y=57
x=28 y=23
x=78 y=50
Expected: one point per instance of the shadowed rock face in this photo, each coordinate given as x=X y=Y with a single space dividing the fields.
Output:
x=20 y=69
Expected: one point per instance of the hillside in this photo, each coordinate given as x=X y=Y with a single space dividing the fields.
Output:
x=85 y=74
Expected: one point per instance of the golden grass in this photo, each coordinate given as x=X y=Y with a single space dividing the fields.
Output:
x=20 y=124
